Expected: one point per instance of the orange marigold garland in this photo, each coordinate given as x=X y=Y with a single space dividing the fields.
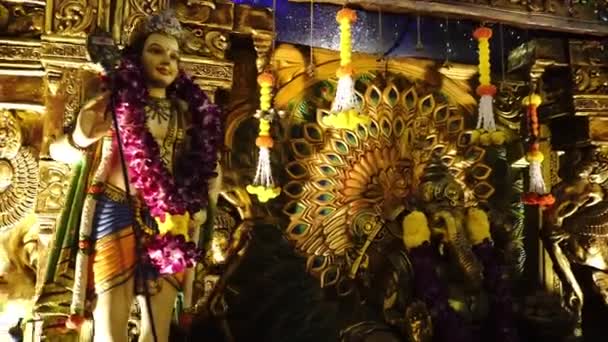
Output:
x=537 y=193
x=263 y=185
x=486 y=131
x=345 y=107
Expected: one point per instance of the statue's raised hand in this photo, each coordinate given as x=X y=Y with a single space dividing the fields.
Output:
x=94 y=121
x=92 y=124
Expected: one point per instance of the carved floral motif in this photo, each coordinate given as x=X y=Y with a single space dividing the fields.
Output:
x=21 y=53
x=74 y=17
x=209 y=71
x=591 y=79
x=203 y=42
x=53 y=186
x=18 y=173
x=135 y=11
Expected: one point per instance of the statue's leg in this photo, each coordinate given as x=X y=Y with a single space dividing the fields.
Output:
x=111 y=314
x=162 y=312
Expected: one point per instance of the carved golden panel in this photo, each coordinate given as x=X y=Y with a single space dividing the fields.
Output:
x=214 y=73
x=72 y=18
x=590 y=79
x=205 y=42
x=127 y=18
x=598 y=130
x=588 y=52
x=13 y=50
x=64 y=54
x=18 y=172
x=209 y=13
x=15 y=89
x=52 y=190
x=21 y=18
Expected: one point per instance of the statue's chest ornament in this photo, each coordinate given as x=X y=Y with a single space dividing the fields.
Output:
x=163 y=121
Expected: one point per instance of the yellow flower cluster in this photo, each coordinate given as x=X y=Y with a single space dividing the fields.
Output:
x=349 y=119
x=485 y=138
x=264 y=193
x=174 y=224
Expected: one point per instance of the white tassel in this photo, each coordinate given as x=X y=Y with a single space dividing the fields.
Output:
x=263 y=173
x=537 y=182
x=345 y=95
x=485 y=117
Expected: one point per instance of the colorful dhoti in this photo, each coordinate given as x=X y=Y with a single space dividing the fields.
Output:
x=114 y=254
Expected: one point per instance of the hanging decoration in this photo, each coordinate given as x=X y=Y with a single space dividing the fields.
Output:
x=537 y=193
x=263 y=185
x=486 y=132
x=345 y=108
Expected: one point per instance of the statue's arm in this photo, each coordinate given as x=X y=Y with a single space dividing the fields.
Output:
x=92 y=123
x=215 y=187
x=563 y=267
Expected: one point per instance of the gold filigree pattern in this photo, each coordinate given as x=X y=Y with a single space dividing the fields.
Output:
x=74 y=17
x=591 y=80
x=206 y=43
x=72 y=89
x=135 y=11
x=52 y=190
x=19 y=181
x=21 y=19
x=10 y=135
x=341 y=179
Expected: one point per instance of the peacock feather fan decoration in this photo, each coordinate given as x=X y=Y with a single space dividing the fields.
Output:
x=344 y=183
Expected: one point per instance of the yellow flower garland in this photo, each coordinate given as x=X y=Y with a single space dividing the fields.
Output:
x=263 y=184
x=345 y=108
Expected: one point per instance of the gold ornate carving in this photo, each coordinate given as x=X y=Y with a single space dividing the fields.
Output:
x=262 y=42
x=134 y=11
x=588 y=52
x=10 y=52
x=18 y=173
x=293 y=75
x=203 y=42
x=70 y=86
x=590 y=80
x=73 y=17
x=213 y=72
x=10 y=135
x=65 y=54
x=342 y=181
x=576 y=226
x=507 y=105
x=21 y=19
x=53 y=186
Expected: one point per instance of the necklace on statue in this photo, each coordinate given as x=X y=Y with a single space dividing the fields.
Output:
x=159 y=110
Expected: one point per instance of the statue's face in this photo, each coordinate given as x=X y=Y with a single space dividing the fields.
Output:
x=159 y=58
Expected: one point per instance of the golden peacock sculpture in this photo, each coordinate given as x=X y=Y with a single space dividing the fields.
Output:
x=346 y=185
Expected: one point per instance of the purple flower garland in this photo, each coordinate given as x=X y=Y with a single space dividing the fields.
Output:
x=501 y=301
x=448 y=326
x=162 y=192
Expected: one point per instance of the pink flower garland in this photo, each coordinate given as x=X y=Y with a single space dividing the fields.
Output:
x=162 y=192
